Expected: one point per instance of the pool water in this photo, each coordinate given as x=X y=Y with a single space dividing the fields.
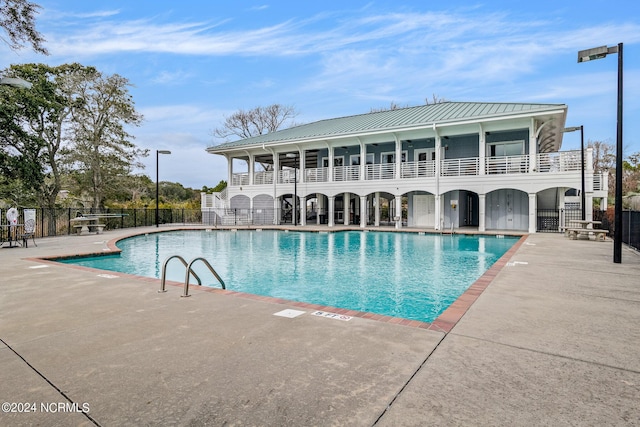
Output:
x=408 y=275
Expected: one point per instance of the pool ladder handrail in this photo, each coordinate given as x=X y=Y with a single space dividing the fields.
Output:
x=189 y=272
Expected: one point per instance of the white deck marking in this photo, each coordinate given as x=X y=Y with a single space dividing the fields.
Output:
x=39 y=266
x=108 y=276
x=332 y=315
x=289 y=313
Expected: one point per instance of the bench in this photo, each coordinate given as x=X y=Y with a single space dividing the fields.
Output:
x=599 y=234
x=96 y=227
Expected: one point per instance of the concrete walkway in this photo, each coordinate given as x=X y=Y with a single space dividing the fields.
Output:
x=553 y=340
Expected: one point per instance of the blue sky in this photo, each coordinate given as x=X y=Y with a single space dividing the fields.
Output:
x=194 y=62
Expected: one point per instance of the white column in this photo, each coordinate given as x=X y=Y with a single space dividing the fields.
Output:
x=398 y=157
x=319 y=207
x=347 y=208
x=276 y=210
x=398 y=213
x=252 y=166
x=482 y=208
x=438 y=203
x=331 y=212
x=229 y=169
x=363 y=211
x=533 y=213
x=376 y=207
x=482 y=150
x=533 y=150
x=330 y=177
x=363 y=161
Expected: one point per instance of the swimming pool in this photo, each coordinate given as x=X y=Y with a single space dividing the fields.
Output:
x=409 y=275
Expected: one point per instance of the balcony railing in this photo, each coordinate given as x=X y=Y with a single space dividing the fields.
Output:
x=346 y=173
x=566 y=161
x=240 y=179
x=380 y=171
x=460 y=167
x=420 y=169
x=261 y=178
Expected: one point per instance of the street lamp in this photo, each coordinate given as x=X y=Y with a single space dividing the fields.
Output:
x=15 y=82
x=583 y=199
x=295 y=187
x=589 y=55
x=158 y=152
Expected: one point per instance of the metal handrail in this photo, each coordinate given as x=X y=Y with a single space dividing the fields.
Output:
x=164 y=272
x=186 y=277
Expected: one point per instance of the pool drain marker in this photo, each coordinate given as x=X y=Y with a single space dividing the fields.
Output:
x=289 y=313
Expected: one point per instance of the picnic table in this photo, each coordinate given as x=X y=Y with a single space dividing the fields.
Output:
x=585 y=229
x=88 y=223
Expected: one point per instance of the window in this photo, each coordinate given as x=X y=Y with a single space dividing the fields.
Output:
x=355 y=159
x=506 y=148
x=337 y=161
x=390 y=157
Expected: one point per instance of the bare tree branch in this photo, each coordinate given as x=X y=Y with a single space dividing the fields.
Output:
x=257 y=121
x=17 y=17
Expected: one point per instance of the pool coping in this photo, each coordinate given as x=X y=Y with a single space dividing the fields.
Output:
x=444 y=323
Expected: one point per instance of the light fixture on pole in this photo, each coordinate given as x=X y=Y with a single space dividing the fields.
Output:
x=295 y=187
x=589 y=55
x=583 y=198
x=15 y=82
x=158 y=152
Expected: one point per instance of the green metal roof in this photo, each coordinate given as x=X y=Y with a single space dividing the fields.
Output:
x=392 y=120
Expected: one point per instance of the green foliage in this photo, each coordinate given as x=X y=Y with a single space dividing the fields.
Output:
x=218 y=188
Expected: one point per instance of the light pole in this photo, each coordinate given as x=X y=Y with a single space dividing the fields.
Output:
x=295 y=187
x=158 y=152
x=583 y=196
x=590 y=55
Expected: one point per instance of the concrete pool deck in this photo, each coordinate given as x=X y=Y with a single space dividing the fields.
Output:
x=553 y=340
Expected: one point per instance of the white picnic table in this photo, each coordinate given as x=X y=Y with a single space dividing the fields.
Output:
x=585 y=229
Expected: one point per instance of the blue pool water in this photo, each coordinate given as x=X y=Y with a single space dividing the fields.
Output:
x=404 y=275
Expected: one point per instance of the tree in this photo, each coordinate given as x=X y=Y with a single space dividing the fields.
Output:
x=47 y=117
x=257 y=121
x=101 y=150
x=20 y=151
x=17 y=18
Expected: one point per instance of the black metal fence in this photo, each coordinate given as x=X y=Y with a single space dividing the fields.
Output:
x=57 y=222
x=631 y=228
x=553 y=220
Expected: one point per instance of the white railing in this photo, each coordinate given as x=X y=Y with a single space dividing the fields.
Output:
x=380 y=171
x=316 y=175
x=346 y=173
x=601 y=181
x=566 y=161
x=559 y=162
x=507 y=164
x=460 y=167
x=264 y=177
x=420 y=169
x=288 y=176
x=240 y=179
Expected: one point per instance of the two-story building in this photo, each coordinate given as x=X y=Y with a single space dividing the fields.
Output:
x=444 y=166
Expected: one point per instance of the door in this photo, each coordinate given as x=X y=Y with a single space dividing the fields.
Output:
x=424 y=208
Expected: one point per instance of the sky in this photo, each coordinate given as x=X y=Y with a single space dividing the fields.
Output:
x=193 y=63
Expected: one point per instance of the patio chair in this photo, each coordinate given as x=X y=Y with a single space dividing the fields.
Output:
x=29 y=230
